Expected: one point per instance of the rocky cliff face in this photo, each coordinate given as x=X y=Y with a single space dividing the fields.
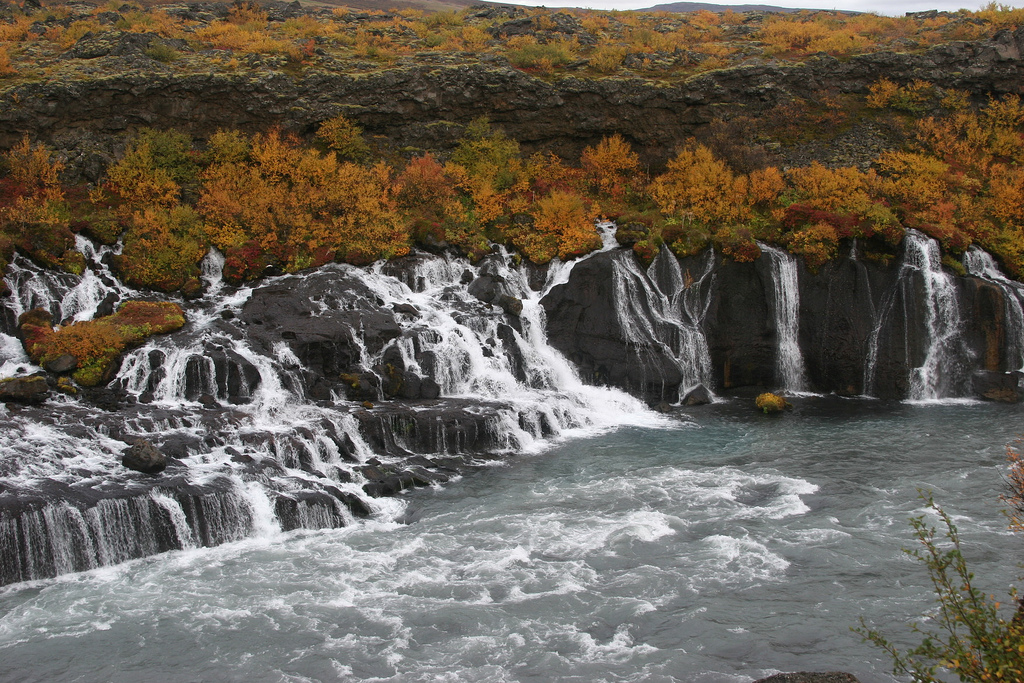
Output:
x=906 y=329
x=426 y=106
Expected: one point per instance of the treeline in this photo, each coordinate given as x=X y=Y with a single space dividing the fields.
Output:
x=32 y=42
x=271 y=202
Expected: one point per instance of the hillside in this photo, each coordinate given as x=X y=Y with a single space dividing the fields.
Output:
x=288 y=137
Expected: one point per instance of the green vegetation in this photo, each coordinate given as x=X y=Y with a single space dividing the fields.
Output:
x=970 y=634
x=97 y=344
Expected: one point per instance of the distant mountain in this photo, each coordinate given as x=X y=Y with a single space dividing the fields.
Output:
x=698 y=6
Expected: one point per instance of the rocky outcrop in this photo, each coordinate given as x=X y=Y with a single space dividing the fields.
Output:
x=811 y=677
x=864 y=326
x=143 y=456
x=426 y=106
x=32 y=389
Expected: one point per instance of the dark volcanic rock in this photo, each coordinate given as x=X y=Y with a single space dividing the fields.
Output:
x=316 y=316
x=143 y=456
x=32 y=389
x=698 y=396
x=811 y=677
x=1003 y=387
x=62 y=364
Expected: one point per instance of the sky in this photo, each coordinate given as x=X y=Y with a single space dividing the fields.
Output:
x=892 y=8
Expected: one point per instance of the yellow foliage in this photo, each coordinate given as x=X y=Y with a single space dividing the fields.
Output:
x=816 y=243
x=35 y=167
x=563 y=227
x=699 y=185
x=139 y=182
x=764 y=185
x=838 y=190
x=612 y=167
x=6 y=69
x=344 y=137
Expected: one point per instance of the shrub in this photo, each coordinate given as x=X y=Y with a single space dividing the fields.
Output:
x=345 y=138
x=971 y=639
x=97 y=344
x=162 y=248
x=526 y=53
x=770 y=403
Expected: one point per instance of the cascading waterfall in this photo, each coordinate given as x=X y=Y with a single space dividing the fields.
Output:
x=660 y=310
x=254 y=454
x=789 y=361
x=943 y=371
x=980 y=263
x=943 y=351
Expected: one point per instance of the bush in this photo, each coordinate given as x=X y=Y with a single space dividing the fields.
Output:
x=971 y=639
x=770 y=403
x=97 y=344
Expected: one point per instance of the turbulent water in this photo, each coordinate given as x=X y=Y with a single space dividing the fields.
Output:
x=722 y=546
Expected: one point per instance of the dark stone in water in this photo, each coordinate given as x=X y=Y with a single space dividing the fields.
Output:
x=143 y=456
x=406 y=309
x=662 y=408
x=31 y=390
x=1003 y=387
x=698 y=396
x=811 y=677
x=108 y=305
x=208 y=401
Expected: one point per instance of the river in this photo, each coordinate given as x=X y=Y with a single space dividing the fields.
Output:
x=719 y=546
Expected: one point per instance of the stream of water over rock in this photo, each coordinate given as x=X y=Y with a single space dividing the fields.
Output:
x=595 y=540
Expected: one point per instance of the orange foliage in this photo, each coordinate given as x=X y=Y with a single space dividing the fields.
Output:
x=563 y=226
x=612 y=168
x=699 y=185
x=294 y=202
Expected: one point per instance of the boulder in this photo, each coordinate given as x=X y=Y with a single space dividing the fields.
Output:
x=62 y=364
x=143 y=456
x=811 y=677
x=1002 y=387
x=698 y=396
x=32 y=389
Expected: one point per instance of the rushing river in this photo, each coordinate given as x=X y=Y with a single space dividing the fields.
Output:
x=723 y=547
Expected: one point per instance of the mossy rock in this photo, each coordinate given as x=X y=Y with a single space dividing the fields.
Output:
x=97 y=344
x=771 y=404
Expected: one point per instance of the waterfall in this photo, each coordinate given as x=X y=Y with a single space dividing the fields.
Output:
x=789 y=362
x=923 y=287
x=942 y=353
x=252 y=453
x=660 y=312
x=980 y=263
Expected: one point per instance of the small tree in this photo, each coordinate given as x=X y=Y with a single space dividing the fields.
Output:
x=972 y=639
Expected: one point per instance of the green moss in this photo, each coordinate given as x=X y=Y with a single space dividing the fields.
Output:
x=97 y=344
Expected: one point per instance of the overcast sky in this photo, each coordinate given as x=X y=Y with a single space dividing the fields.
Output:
x=895 y=8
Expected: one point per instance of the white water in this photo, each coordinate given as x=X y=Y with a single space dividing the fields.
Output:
x=789 y=361
x=943 y=351
x=980 y=263
x=532 y=397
